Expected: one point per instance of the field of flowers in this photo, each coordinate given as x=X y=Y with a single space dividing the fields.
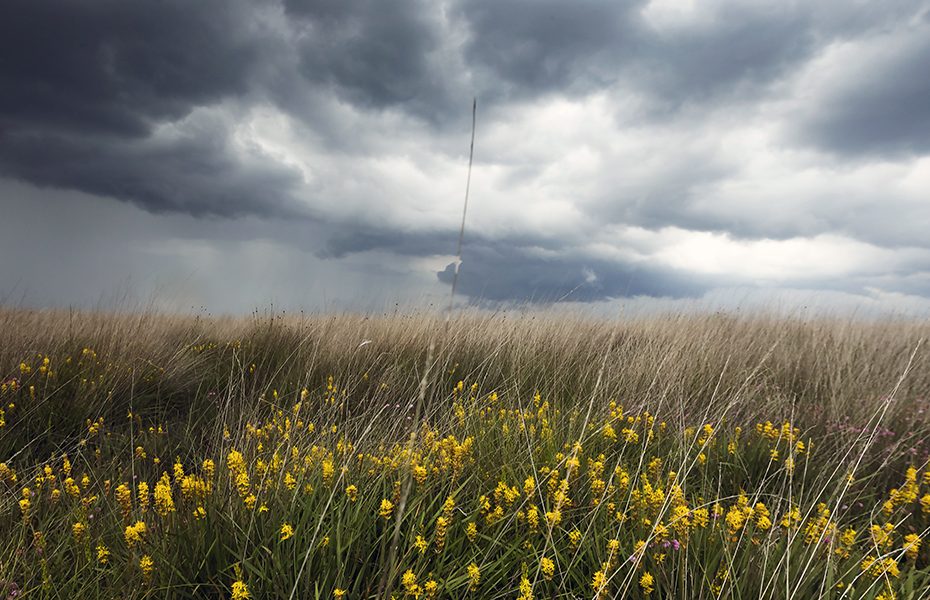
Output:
x=490 y=456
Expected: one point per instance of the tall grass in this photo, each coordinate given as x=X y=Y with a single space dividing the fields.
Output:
x=582 y=456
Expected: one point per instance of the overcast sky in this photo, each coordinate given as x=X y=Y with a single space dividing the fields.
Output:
x=230 y=154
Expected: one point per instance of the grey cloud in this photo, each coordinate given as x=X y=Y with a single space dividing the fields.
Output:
x=87 y=83
x=197 y=173
x=744 y=46
x=502 y=272
x=375 y=55
x=524 y=267
x=528 y=47
x=115 y=68
x=883 y=111
x=90 y=89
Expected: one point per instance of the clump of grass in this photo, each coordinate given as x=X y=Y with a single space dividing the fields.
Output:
x=146 y=455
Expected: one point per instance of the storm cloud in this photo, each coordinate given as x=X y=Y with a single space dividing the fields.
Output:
x=624 y=149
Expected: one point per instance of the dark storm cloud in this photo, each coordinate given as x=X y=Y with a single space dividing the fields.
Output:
x=744 y=47
x=884 y=110
x=496 y=271
x=197 y=172
x=530 y=47
x=367 y=238
x=526 y=267
x=159 y=104
x=116 y=68
x=374 y=55
x=86 y=84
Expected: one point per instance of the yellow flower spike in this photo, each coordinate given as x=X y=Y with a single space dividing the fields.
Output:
x=420 y=474
x=474 y=577
x=103 y=554
x=647 y=583
x=574 y=538
x=421 y=544
x=290 y=482
x=411 y=587
x=386 y=509
x=124 y=498
x=547 y=567
x=911 y=546
x=448 y=508
x=599 y=584
x=240 y=591
x=147 y=566
x=442 y=525
x=71 y=488
x=134 y=533
x=287 y=531
x=526 y=589
x=142 y=494
x=554 y=517
x=352 y=493
x=164 y=502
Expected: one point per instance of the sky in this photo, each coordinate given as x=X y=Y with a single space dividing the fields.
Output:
x=228 y=155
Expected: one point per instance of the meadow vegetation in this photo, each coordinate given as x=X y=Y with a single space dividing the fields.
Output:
x=491 y=455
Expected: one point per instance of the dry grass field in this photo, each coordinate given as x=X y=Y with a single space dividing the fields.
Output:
x=498 y=455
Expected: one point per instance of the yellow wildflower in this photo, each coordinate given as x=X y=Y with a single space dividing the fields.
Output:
x=526 y=589
x=72 y=488
x=386 y=509
x=880 y=567
x=574 y=537
x=103 y=554
x=911 y=546
x=647 y=583
x=142 y=494
x=124 y=498
x=290 y=482
x=421 y=544
x=599 y=583
x=352 y=493
x=448 y=507
x=133 y=533
x=547 y=567
x=474 y=577
x=419 y=474
x=411 y=587
x=287 y=531
x=554 y=517
x=147 y=566
x=240 y=591
x=164 y=502
x=442 y=524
